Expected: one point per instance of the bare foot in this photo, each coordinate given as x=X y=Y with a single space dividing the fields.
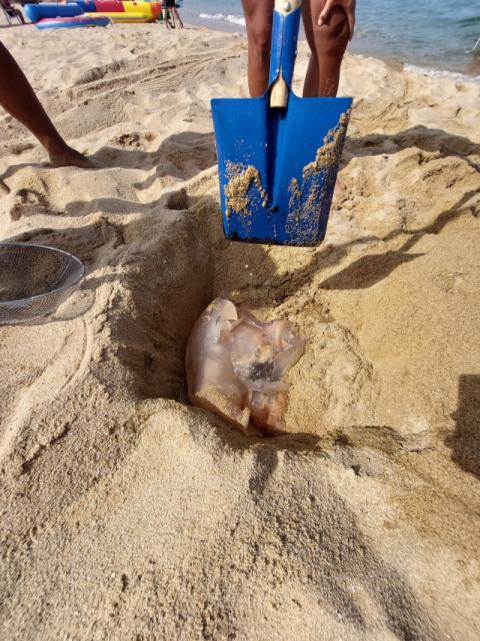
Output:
x=68 y=157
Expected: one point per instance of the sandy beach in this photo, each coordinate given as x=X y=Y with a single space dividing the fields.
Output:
x=128 y=514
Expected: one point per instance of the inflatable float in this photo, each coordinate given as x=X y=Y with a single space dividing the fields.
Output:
x=75 y=21
x=55 y=16
x=120 y=11
x=124 y=17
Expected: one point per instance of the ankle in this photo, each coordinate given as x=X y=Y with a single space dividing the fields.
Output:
x=54 y=146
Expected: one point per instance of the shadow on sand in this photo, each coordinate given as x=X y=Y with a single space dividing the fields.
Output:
x=465 y=441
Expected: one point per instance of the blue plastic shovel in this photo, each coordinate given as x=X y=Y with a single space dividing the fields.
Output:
x=278 y=155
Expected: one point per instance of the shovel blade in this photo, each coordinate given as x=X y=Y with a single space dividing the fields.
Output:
x=277 y=167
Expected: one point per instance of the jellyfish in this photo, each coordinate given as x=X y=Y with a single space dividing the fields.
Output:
x=236 y=366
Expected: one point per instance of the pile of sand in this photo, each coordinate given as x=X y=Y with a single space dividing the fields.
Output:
x=128 y=514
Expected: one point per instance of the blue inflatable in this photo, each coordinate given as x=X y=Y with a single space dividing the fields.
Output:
x=55 y=16
x=36 y=12
x=73 y=22
x=87 y=6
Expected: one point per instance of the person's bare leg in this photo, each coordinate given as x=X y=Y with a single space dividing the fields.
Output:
x=178 y=16
x=20 y=15
x=165 y=19
x=259 y=21
x=328 y=44
x=18 y=98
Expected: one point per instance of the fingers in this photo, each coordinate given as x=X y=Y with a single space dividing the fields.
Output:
x=349 y=10
x=326 y=10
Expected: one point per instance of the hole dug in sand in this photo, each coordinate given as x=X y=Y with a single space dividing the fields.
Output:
x=310 y=378
x=178 y=200
x=161 y=297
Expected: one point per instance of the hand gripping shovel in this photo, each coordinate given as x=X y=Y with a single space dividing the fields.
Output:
x=278 y=155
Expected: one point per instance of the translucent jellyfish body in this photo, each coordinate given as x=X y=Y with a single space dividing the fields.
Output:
x=236 y=366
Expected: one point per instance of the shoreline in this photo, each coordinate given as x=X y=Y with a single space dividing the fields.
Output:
x=357 y=49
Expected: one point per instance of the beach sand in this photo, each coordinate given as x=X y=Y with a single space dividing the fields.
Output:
x=128 y=514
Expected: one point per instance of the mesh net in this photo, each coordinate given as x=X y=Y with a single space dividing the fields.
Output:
x=34 y=280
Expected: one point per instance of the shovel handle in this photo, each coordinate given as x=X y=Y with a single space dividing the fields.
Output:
x=281 y=4
x=279 y=90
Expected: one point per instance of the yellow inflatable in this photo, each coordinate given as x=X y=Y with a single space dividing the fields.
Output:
x=124 y=17
x=152 y=9
x=122 y=11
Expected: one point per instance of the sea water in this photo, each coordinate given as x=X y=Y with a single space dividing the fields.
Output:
x=432 y=36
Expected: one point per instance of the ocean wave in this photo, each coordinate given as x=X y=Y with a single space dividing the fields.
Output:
x=466 y=22
x=221 y=16
x=438 y=73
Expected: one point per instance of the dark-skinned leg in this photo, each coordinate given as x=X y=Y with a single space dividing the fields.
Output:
x=328 y=44
x=259 y=21
x=18 y=98
x=178 y=17
x=20 y=15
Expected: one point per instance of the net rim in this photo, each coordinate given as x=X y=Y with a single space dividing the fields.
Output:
x=54 y=291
